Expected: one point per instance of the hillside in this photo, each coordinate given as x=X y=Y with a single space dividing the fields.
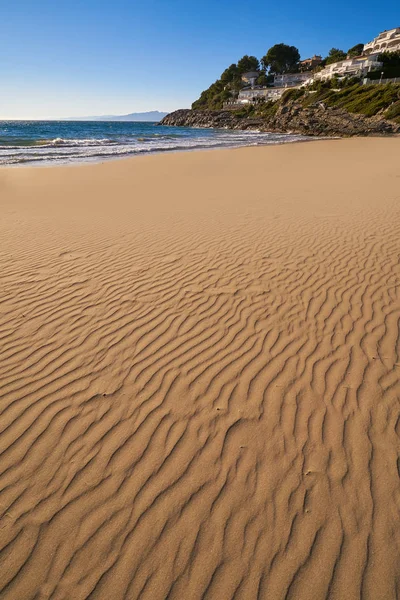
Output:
x=368 y=100
x=151 y=116
x=282 y=59
x=354 y=110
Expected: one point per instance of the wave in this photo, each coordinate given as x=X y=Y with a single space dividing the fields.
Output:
x=67 y=150
x=79 y=142
x=20 y=144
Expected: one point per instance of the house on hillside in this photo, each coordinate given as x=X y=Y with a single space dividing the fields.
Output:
x=251 y=96
x=351 y=67
x=286 y=80
x=309 y=64
x=250 y=77
x=387 y=41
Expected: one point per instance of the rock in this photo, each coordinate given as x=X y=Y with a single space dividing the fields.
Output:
x=317 y=120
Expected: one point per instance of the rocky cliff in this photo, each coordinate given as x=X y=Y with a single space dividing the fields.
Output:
x=318 y=120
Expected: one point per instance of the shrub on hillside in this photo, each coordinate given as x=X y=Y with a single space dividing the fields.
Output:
x=394 y=112
x=267 y=110
x=292 y=94
x=246 y=111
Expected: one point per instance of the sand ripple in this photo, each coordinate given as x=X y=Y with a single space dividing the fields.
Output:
x=200 y=393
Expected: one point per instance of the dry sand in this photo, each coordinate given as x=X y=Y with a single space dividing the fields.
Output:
x=200 y=376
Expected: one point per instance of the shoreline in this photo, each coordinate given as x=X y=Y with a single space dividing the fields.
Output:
x=158 y=153
x=112 y=159
x=100 y=146
x=89 y=161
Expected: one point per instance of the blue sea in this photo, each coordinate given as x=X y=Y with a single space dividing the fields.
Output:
x=65 y=142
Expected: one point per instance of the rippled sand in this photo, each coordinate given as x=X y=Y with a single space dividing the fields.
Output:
x=199 y=375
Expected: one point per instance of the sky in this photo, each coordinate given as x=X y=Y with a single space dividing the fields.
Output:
x=66 y=58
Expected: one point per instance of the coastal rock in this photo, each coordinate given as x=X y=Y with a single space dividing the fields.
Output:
x=317 y=120
x=222 y=119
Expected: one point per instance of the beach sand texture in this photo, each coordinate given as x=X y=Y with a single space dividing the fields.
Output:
x=199 y=373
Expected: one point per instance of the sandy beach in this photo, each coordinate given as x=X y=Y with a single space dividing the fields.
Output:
x=200 y=376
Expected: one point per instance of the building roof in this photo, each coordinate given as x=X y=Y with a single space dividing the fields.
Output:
x=251 y=74
x=315 y=57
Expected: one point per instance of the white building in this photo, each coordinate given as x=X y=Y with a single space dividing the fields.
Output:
x=248 y=96
x=387 y=41
x=351 y=67
x=291 y=79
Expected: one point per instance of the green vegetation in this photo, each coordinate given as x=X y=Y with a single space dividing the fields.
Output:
x=245 y=112
x=292 y=94
x=391 y=60
x=227 y=85
x=221 y=90
x=355 y=50
x=367 y=100
x=335 y=55
x=334 y=83
x=265 y=80
x=267 y=110
x=390 y=68
x=281 y=59
x=394 y=112
x=248 y=63
x=213 y=98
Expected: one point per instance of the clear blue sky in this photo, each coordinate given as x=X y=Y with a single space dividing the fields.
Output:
x=91 y=57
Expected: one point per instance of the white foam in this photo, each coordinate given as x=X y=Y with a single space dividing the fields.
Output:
x=80 y=142
x=63 y=150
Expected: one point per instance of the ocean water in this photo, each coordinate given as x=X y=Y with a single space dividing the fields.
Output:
x=61 y=142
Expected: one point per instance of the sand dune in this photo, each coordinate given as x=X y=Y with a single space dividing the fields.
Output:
x=199 y=374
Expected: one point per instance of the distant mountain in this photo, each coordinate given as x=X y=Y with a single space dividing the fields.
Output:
x=153 y=115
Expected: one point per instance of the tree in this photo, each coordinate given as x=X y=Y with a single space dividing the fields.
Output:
x=355 y=50
x=391 y=64
x=230 y=74
x=390 y=59
x=214 y=97
x=248 y=63
x=281 y=58
x=335 y=55
x=264 y=80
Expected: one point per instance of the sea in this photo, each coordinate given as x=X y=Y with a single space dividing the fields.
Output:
x=66 y=142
